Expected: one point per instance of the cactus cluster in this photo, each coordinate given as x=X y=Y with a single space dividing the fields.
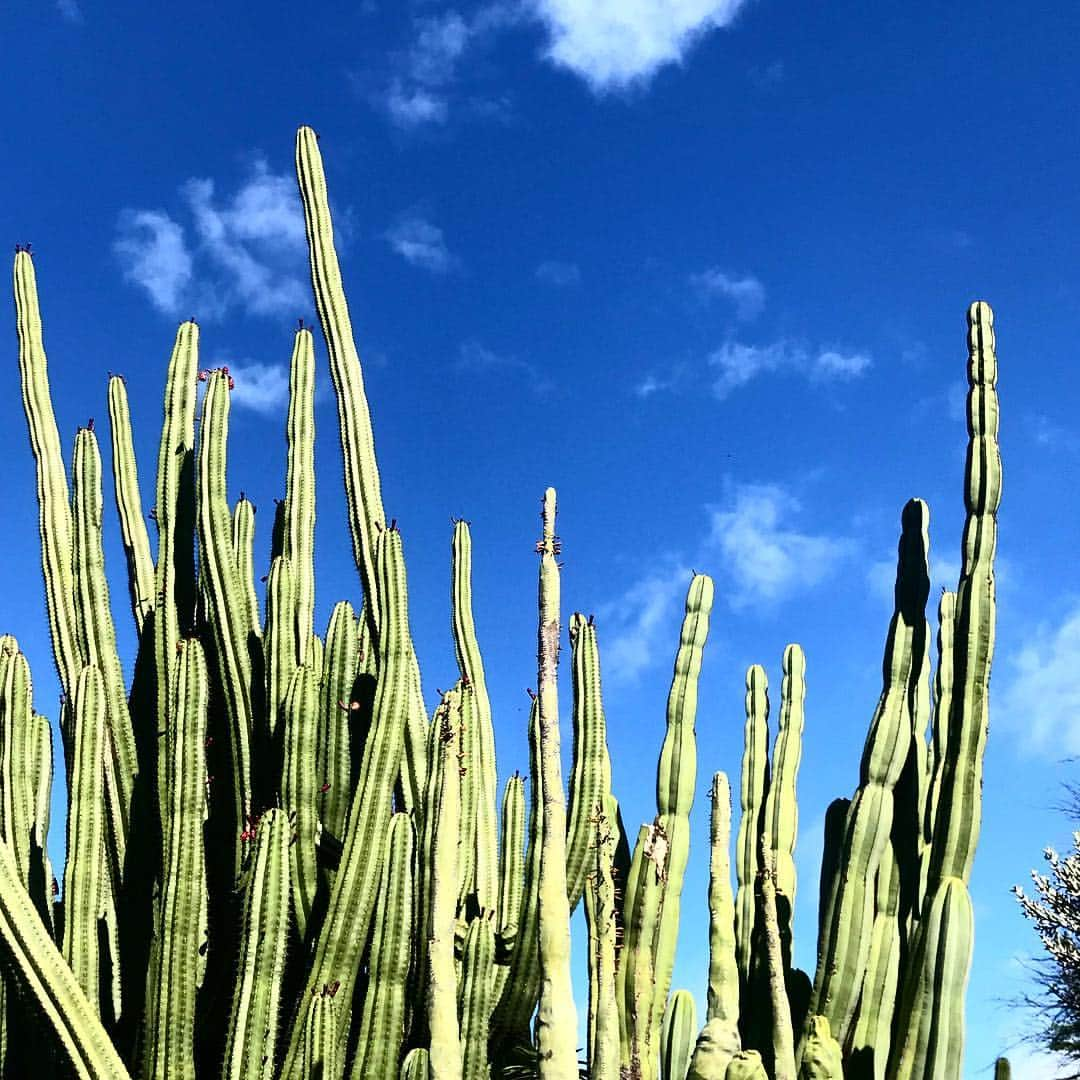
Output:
x=279 y=867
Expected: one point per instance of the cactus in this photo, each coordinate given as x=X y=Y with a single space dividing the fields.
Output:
x=278 y=868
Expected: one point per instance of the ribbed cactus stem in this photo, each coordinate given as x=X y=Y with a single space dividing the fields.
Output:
x=440 y=989
x=1002 y=1069
x=822 y=1059
x=300 y=790
x=178 y=966
x=30 y=952
x=322 y=1058
x=300 y=490
x=959 y=807
x=556 y=1018
x=752 y=791
x=480 y=737
x=129 y=509
x=337 y=950
x=783 y=1047
x=362 y=488
x=243 y=545
x=746 y=1065
x=843 y=957
x=590 y=776
x=600 y=907
x=255 y=1016
x=676 y=777
x=382 y=1019
x=477 y=988
x=677 y=1035
x=54 y=505
x=781 y=806
x=226 y=613
x=85 y=867
x=16 y=753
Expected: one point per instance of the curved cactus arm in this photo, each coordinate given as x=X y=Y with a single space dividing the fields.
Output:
x=590 y=775
x=832 y=847
x=414 y=764
x=930 y=1021
x=481 y=739
x=843 y=955
x=339 y=671
x=822 y=1059
x=85 y=866
x=676 y=777
x=243 y=546
x=337 y=950
x=382 y=1019
x=781 y=806
x=225 y=599
x=677 y=1035
x=54 y=506
x=177 y=967
x=440 y=978
x=44 y=976
x=600 y=904
x=511 y=857
x=362 y=489
x=556 y=1018
x=133 y=531
x=754 y=785
x=300 y=489
x=959 y=807
x=476 y=996
x=300 y=791
x=254 y=1019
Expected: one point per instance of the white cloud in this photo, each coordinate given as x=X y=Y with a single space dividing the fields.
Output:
x=746 y=293
x=155 y=256
x=738 y=364
x=649 y=385
x=635 y=626
x=240 y=252
x=263 y=388
x=834 y=365
x=1040 y=701
x=70 y=10
x=429 y=71
x=613 y=44
x=766 y=557
x=554 y=272
x=421 y=243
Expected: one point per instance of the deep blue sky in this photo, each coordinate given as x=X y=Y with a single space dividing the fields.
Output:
x=701 y=265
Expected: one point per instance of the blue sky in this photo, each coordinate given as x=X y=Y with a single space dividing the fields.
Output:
x=702 y=265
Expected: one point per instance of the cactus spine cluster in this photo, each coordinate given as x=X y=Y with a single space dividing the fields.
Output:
x=279 y=867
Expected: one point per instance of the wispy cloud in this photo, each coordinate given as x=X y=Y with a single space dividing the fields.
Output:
x=764 y=552
x=421 y=243
x=428 y=74
x=70 y=10
x=262 y=388
x=635 y=625
x=739 y=363
x=1040 y=701
x=478 y=359
x=554 y=272
x=615 y=44
x=240 y=252
x=154 y=254
x=746 y=293
x=1052 y=435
